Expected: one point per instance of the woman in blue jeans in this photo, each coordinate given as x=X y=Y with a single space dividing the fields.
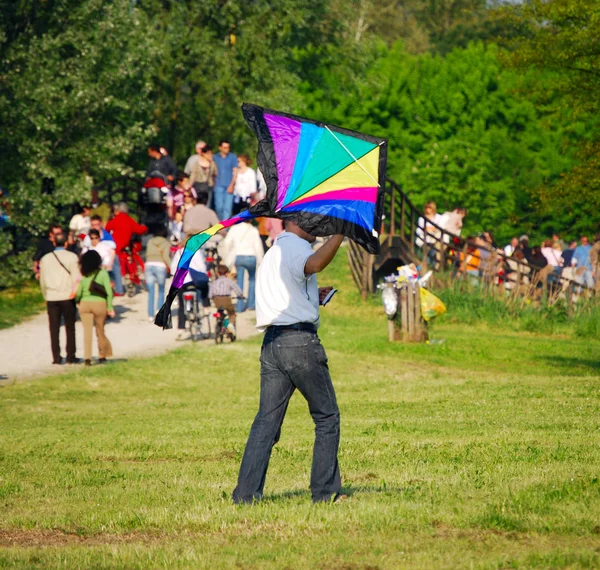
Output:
x=158 y=259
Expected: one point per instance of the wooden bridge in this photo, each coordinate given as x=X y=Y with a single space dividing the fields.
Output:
x=398 y=247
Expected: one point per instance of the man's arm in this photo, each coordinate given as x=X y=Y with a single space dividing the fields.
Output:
x=322 y=258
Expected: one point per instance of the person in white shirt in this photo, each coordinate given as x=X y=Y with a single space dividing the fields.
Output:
x=193 y=159
x=243 y=248
x=105 y=248
x=80 y=223
x=292 y=357
x=510 y=248
x=245 y=188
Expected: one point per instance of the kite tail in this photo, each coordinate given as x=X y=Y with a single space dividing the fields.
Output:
x=163 y=317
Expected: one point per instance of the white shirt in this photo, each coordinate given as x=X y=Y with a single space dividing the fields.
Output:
x=245 y=184
x=197 y=263
x=241 y=239
x=80 y=224
x=284 y=294
x=509 y=250
x=107 y=253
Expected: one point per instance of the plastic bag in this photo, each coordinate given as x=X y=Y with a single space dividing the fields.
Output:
x=431 y=306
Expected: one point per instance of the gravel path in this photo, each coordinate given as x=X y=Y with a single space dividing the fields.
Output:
x=25 y=348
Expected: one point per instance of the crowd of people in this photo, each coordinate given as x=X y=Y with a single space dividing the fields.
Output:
x=105 y=246
x=576 y=261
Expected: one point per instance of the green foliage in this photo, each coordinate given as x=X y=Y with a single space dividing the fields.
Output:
x=75 y=104
x=18 y=303
x=458 y=132
x=562 y=39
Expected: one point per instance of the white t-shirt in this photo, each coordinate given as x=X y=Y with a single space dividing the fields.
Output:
x=80 y=224
x=241 y=239
x=245 y=184
x=107 y=253
x=284 y=294
x=197 y=263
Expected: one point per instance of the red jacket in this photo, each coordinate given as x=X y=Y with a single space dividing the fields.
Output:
x=122 y=227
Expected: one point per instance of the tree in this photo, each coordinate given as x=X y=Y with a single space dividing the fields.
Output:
x=458 y=131
x=74 y=103
x=561 y=39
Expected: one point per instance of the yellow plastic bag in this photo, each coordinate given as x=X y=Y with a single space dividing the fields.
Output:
x=431 y=306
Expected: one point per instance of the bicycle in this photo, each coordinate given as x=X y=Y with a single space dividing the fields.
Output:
x=132 y=267
x=197 y=318
x=213 y=260
x=223 y=326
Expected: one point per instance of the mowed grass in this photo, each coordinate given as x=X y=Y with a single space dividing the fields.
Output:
x=480 y=452
x=18 y=303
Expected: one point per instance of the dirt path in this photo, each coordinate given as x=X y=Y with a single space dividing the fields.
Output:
x=25 y=348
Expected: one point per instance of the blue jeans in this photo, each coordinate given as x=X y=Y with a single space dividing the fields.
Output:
x=155 y=275
x=223 y=202
x=115 y=275
x=289 y=360
x=245 y=263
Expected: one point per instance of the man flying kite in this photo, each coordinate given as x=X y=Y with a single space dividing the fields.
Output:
x=321 y=180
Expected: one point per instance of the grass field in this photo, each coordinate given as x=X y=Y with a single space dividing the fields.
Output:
x=18 y=303
x=479 y=452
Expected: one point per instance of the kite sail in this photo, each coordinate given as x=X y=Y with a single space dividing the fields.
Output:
x=327 y=179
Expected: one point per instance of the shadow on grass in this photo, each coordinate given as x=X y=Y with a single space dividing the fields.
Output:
x=348 y=490
x=567 y=363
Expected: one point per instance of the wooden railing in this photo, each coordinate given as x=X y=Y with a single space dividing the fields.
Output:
x=446 y=252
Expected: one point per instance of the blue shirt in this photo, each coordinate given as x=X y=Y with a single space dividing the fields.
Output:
x=225 y=168
x=582 y=256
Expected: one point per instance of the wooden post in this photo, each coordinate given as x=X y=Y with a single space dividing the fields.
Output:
x=403 y=313
x=408 y=325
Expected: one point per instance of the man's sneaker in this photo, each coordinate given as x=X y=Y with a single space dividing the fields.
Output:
x=74 y=361
x=88 y=363
x=102 y=360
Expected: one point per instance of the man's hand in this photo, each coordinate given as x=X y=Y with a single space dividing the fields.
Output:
x=230 y=189
x=323 y=292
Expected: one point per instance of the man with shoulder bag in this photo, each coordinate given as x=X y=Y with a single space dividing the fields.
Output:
x=59 y=276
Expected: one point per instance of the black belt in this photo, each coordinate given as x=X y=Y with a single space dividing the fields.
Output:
x=308 y=327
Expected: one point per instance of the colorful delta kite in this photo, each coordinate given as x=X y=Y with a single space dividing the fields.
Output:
x=327 y=179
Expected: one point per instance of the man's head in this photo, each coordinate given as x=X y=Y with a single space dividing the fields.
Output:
x=199 y=146
x=524 y=239
x=222 y=270
x=514 y=242
x=573 y=244
x=585 y=240
x=462 y=212
x=224 y=147
x=96 y=223
x=202 y=198
x=294 y=228
x=53 y=230
x=122 y=208
x=84 y=210
x=154 y=151
x=60 y=240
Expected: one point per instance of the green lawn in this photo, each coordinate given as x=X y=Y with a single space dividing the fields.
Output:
x=18 y=303
x=480 y=452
